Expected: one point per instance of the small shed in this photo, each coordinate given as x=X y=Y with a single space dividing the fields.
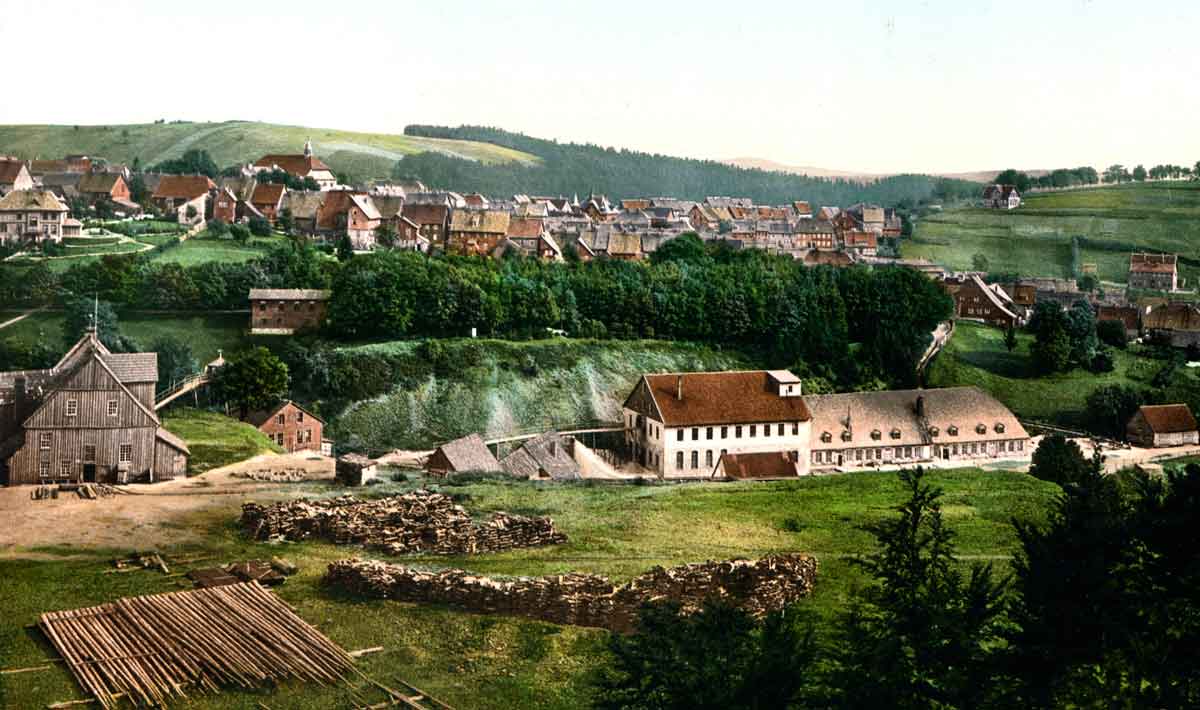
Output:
x=1162 y=425
x=356 y=470
x=544 y=456
x=469 y=453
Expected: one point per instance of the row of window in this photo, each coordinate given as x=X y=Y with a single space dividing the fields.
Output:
x=73 y=408
x=66 y=466
x=262 y=306
x=899 y=453
x=695 y=459
x=753 y=429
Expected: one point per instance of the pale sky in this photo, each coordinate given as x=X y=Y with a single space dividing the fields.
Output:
x=940 y=85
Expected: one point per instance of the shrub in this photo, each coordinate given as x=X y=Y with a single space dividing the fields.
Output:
x=1102 y=362
x=1112 y=333
x=260 y=227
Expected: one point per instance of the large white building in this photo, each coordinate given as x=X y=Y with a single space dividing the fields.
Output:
x=724 y=425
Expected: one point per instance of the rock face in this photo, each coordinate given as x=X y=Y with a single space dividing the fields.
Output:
x=758 y=587
x=421 y=521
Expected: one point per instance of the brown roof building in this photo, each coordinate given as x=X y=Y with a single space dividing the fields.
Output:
x=476 y=232
x=267 y=198
x=1162 y=425
x=1153 y=272
x=305 y=165
x=31 y=215
x=284 y=311
x=290 y=426
x=14 y=176
x=469 y=453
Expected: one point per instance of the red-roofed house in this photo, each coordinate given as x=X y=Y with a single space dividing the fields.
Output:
x=1154 y=272
x=14 y=176
x=186 y=195
x=1156 y=426
x=976 y=300
x=301 y=166
x=267 y=199
x=350 y=213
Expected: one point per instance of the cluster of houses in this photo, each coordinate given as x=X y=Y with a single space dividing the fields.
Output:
x=1010 y=304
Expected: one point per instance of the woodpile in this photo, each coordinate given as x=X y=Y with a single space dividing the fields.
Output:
x=758 y=587
x=89 y=491
x=271 y=573
x=284 y=475
x=157 y=648
x=421 y=521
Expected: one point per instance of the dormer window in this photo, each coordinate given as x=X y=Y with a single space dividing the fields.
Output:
x=826 y=437
x=895 y=433
x=934 y=431
x=876 y=435
x=952 y=431
x=999 y=427
x=846 y=435
x=981 y=428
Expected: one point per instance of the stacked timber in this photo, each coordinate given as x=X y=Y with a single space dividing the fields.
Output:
x=758 y=587
x=421 y=521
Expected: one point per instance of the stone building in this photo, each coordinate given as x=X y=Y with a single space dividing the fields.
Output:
x=290 y=426
x=283 y=311
x=31 y=216
x=1153 y=272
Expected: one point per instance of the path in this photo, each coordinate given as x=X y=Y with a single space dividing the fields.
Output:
x=941 y=336
x=23 y=316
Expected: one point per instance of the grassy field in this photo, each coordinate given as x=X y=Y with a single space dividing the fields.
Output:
x=475 y=661
x=205 y=333
x=976 y=356
x=200 y=249
x=214 y=439
x=1035 y=240
x=362 y=155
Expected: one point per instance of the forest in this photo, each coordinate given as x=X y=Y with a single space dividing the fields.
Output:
x=573 y=168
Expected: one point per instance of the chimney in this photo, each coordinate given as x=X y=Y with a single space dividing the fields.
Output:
x=920 y=406
x=679 y=387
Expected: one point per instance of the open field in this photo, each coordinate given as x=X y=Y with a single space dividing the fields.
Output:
x=976 y=356
x=1035 y=240
x=206 y=333
x=200 y=249
x=363 y=155
x=475 y=661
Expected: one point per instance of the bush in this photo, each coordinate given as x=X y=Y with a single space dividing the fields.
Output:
x=260 y=227
x=1112 y=333
x=1102 y=362
x=239 y=233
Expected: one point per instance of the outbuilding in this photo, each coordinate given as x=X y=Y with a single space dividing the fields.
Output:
x=1161 y=425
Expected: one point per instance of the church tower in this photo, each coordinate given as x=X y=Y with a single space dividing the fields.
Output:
x=308 y=148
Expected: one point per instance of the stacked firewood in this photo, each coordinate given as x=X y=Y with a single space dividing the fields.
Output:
x=421 y=521
x=758 y=587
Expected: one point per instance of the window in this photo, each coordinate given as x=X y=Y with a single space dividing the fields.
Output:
x=753 y=430
x=708 y=433
x=952 y=431
x=695 y=459
x=780 y=429
x=45 y=438
x=980 y=428
x=112 y=408
x=999 y=427
x=895 y=433
x=125 y=453
x=64 y=468
x=695 y=433
x=795 y=428
x=708 y=459
x=934 y=431
x=724 y=432
x=299 y=416
x=279 y=439
x=826 y=437
x=737 y=432
x=72 y=407
x=858 y=454
x=44 y=469
x=679 y=434
x=876 y=434
x=679 y=460
x=846 y=435
x=280 y=419
x=89 y=453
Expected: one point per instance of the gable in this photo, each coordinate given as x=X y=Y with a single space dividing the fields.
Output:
x=641 y=400
x=92 y=386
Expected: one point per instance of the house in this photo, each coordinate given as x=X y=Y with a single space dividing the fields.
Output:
x=224 y=205
x=802 y=209
x=349 y=213
x=907 y=427
x=462 y=455
x=1176 y=323
x=530 y=235
x=283 y=311
x=304 y=207
x=476 y=232
x=89 y=418
x=836 y=259
x=267 y=198
x=290 y=426
x=31 y=216
x=1001 y=197
x=1023 y=296
x=98 y=186
x=302 y=166
x=64 y=185
x=598 y=208
x=865 y=243
x=432 y=220
x=815 y=234
x=624 y=246
x=1162 y=425
x=704 y=218
x=765 y=466
x=545 y=456
x=976 y=300
x=1128 y=316
x=635 y=205
x=185 y=195
x=1153 y=272
x=475 y=200
x=680 y=425
x=866 y=218
x=14 y=176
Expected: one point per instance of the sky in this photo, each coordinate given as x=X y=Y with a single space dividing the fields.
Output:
x=934 y=86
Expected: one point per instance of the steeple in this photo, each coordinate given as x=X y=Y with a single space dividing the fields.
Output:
x=308 y=148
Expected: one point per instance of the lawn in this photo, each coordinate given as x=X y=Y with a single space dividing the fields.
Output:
x=215 y=440
x=1035 y=240
x=206 y=333
x=198 y=250
x=476 y=661
x=976 y=355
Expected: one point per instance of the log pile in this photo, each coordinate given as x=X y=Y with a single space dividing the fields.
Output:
x=421 y=521
x=758 y=587
x=156 y=648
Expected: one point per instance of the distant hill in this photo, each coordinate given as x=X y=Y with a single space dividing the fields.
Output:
x=764 y=164
x=473 y=158
x=362 y=155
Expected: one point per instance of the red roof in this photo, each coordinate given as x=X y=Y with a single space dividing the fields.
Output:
x=1152 y=263
x=298 y=165
x=267 y=194
x=743 y=397
x=1168 y=418
x=185 y=187
x=771 y=464
x=524 y=227
x=10 y=170
x=866 y=240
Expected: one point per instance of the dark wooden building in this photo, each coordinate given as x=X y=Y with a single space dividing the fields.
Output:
x=290 y=426
x=283 y=311
x=90 y=418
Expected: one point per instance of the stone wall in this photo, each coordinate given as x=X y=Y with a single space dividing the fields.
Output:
x=759 y=587
x=421 y=521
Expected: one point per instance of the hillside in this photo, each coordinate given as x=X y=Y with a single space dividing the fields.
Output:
x=1036 y=239
x=568 y=168
x=362 y=155
x=771 y=165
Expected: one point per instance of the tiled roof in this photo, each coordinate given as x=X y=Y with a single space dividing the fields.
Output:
x=183 y=187
x=10 y=170
x=1173 y=316
x=526 y=227
x=389 y=206
x=133 y=367
x=469 y=453
x=304 y=205
x=742 y=397
x=765 y=465
x=171 y=440
x=890 y=418
x=99 y=183
x=41 y=167
x=288 y=294
x=1152 y=263
x=262 y=416
x=27 y=200
x=267 y=194
x=622 y=244
x=479 y=221
x=299 y=165
x=1168 y=418
x=426 y=213
x=545 y=452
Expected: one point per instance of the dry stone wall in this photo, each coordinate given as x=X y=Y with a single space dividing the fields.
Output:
x=758 y=587
x=422 y=521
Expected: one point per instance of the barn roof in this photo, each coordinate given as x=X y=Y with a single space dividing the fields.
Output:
x=738 y=397
x=98 y=182
x=289 y=294
x=133 y=367
x=765 y=465
x=10 y=170
x=1168 y=418
x=299 y=165
x=469 y=453
x=186 y=187
x=171 y=440
x=544 y=452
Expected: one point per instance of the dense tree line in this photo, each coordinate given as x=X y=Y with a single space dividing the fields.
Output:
x=572 y=168
x=811 y=319
x=194 y=161
x=1101 y=612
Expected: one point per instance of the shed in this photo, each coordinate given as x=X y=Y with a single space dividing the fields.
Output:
x=1161 y=425
x=469 y=453
x=356 y=470
x=544 y=456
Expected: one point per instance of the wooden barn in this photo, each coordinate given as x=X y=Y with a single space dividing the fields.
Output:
x=90 y=418
x=1161 y=425
x=469 y=453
